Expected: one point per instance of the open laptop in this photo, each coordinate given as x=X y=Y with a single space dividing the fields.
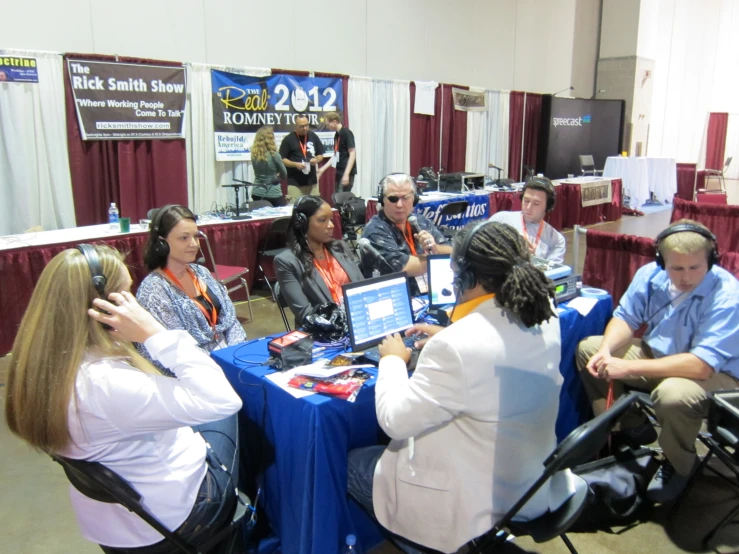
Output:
x=375 y=309
x=440 y=280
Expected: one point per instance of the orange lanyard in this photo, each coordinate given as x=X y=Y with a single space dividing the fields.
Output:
x=410 y=241
x=336 y=144
x=211 y=317
x=332 y=281
x=538 y=234
x=303 y=146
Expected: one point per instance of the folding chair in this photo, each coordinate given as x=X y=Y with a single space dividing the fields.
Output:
x=281 y=304
x=580 y=446
x=274 y=244
x=702 y=194
x=587 y=166
x=100 y=483
x=226 y=274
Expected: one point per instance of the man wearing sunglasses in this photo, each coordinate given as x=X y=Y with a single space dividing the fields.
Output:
x=402 y=245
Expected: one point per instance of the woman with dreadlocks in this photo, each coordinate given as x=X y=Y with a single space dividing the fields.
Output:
x=473 y=425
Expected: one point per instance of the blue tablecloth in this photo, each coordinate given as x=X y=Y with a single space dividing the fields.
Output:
x=307 y=441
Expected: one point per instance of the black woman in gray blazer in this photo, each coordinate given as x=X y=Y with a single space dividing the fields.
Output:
x=312 y=271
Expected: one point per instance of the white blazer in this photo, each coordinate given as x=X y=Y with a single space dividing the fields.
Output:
x=471 y=429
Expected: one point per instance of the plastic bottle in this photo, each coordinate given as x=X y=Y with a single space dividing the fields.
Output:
x=113 y=217
x=350 y=546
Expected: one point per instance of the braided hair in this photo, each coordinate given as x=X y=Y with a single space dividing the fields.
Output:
x=500 y=261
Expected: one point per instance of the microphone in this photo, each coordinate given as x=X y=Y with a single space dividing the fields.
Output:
x=413 y=221
x=564 y=90
x=493 y=166
x=366 y=246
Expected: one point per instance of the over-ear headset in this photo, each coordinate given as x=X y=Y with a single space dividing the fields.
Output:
x=684 y=228
x=381 y=189
x=96 y=269
x=160 y=248
x=300 y=221
x=542 y=183
x=464 y=278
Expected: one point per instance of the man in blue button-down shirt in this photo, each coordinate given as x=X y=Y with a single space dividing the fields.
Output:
x=690 y=347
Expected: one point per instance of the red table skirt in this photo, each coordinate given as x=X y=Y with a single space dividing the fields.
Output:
x=567 y=212
x=233 y=244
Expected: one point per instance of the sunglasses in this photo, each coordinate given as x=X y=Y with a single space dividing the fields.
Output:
x=394 y=199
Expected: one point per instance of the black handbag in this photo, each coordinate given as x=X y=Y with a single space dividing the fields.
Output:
x=327 y=324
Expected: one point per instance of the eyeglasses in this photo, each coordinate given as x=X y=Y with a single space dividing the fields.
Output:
x=394 y=199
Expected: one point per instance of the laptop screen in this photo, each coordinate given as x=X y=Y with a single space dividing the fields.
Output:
x=440 y=279
x=377 y=308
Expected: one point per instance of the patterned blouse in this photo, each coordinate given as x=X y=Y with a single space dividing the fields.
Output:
x=175 y=310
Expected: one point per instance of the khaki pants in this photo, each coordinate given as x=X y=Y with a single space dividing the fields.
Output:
x=295 y=192
x=680 y=404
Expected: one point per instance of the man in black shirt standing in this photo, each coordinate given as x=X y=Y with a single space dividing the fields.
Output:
x=301 y=152
x=345 y=154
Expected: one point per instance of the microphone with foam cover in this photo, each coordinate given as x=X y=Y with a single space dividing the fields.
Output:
x=365 y=246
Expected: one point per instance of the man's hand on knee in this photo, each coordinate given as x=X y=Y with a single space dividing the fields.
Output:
x=596 y=361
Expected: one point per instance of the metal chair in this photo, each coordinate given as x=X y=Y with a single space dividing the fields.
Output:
x=580 y=446
x=100 y=483
x=226 y=274
x=587 y=165
x=274 y=243
x=710 y=174
x=281 y=304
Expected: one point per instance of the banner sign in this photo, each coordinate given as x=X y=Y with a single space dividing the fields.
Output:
x=468 y=100
x=242 y=104
x=596 y=192
x=18 y=69
x=478 y=208
x=121 y=101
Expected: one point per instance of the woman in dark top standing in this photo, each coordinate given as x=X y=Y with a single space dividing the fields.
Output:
x=312 y=271
x=268 y=168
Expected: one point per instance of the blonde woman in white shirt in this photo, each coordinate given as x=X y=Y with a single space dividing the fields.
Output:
x=82 y=391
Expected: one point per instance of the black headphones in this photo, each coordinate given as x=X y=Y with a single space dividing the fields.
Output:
x=96 y=269
x=687 y=228
x=300 y=221
x=381 y=189
x=464 y=278
x=542 y=183
x=160 y=247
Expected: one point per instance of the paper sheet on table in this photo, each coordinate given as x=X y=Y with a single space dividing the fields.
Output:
x=323 y=371
x=281 y=378
x=582 y=305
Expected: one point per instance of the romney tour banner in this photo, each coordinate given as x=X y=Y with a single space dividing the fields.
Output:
x=128 y=101
x=242 y=104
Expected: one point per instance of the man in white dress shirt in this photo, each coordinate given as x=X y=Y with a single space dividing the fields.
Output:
x=537 y=200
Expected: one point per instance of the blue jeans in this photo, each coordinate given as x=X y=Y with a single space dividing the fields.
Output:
x=360 y=475
x=216 y=498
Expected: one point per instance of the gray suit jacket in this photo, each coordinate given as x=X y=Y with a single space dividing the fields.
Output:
x=303 y=296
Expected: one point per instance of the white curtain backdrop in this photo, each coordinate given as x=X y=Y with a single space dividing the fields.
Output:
x=204 y=174
x=35 y=183
x=379 y=117
x=487 y=135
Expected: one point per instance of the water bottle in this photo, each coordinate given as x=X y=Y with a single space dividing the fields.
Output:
x=113 y=217
x=350 y=547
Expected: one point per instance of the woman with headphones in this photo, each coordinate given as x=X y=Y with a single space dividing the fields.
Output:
x=537 y=200
x=179 y=293
x=473 y=425
x=78 y=388
x=312 y=271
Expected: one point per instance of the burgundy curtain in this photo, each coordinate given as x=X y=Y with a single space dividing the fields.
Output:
x=723 y=221
x=716 y=140
x=531 y=129
x=611 y=260
x=426 y=142
x=730 y=262
x=515 y=134
x=326 y=183
x=135 y=174
x=686 y=173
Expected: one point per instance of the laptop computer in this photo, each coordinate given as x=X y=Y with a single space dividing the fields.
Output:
x=440 y=280
x=376 y=308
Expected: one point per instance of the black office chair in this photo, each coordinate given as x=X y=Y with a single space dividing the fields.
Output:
x=281 y=304
x=450 y=210
x=100 y=483
x=587 y=166
x=353 y=212
x=274 y=244
x=580 y=446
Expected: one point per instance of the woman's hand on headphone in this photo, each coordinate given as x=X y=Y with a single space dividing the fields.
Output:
x=128 y=320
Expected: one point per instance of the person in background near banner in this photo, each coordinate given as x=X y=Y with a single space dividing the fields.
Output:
x=181 y=294
x=345 y=154
x=690 y=348
x=537 y=200
x=268 y=168
x=301 y=152
x=312 y=271
x=401 y=246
